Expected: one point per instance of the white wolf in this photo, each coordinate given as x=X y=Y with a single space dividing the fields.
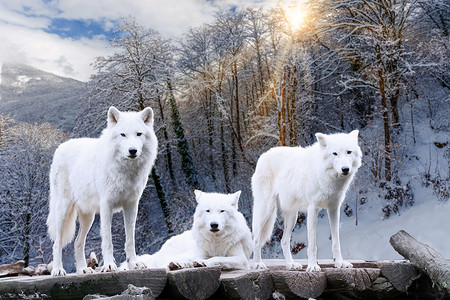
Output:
x=103 y=175
x=304 y=179
x=219 y=236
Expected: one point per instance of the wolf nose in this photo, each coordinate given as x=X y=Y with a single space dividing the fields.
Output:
x=214 y=225
x=132 y=151
x=345 y=170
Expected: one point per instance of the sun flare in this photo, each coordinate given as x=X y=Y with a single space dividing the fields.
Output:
x=296 y=15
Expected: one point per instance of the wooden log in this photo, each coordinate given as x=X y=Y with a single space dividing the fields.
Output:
x=12 y=269
x=350 y=279
x=192 y=283
x=424 y=257
x=400 y=274
x=75 y=286
x=302 y=284
x=245 y=284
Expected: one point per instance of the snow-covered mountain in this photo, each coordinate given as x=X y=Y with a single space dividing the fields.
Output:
x=35 y=96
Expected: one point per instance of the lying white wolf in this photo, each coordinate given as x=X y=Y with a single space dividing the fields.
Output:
x=219 y=237
x=101 y=175
x=304 y=179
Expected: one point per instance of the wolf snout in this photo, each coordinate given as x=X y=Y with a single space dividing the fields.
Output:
x=133 y=152
x=345 y=170
x=214 y=226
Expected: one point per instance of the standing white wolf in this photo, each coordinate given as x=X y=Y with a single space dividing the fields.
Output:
x=219 y=236
x=103 y=175
x=304 y=179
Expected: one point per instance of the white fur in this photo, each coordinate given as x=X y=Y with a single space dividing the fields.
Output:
x=90 y=175
x=295 y=179
x=230 y=247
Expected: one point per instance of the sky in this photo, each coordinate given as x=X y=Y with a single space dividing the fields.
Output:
x=64 y=36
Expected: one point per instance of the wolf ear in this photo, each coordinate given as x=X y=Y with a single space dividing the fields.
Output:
x=147 y=115
x=321 y=138
x=198 y=194
x=113 y=115
x=235 y=199
x=355 y=133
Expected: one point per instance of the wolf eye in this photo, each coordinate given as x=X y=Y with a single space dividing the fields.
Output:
x=139 y=134
x=123 y=134
x=349 y=152
x=335 y=153
x=207 y=210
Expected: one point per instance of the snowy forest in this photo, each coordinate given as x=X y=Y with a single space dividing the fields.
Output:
x=231 y=89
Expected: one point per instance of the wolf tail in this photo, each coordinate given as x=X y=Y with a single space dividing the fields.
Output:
x=61 y=220
x=264 y=208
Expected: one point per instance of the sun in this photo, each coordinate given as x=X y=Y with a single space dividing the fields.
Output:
x=296 y=15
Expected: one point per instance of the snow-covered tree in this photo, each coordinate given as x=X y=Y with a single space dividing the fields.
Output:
x=25 y=162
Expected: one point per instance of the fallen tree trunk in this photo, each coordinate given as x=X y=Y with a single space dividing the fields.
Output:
x=423 y=257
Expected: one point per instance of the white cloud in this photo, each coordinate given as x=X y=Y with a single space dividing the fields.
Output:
x=49 y=52
x=23 y=23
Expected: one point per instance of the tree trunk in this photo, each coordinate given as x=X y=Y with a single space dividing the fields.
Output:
x=387 y=132
x=424 y=257
x=187 y=163
x=224 y=156
x=162 y=198
x=166 y=138
x=394 y=108
x=209 y=112
x=26 y=240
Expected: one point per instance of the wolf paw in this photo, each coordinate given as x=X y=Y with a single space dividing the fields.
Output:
x=199 y=265
x=109 y=267
x=174 y=266
x=260 y=265
x=57 y=272
x=136 y=265
x=293 y=266
x=87 y=270
x=342 y=264
x=211 y=262
x=314 y=267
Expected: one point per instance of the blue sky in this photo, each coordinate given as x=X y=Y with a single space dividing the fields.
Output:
x=77 y=29
x=65 y=36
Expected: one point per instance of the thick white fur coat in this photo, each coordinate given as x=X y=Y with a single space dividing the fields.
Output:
x=296 y=179
x=219 y=236
x=100 y=175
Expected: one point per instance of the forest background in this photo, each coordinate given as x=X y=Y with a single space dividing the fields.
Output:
x=231 y=89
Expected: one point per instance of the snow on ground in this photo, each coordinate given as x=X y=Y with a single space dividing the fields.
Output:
x=370 y=241
x=429 y=223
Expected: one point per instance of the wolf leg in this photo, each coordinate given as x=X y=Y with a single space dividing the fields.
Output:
x=290 y=218
x=333 y=216
x=264 y=215
x=106 y=212
x=129 y=216
x=57 y=266
x=61 y=228
x=85 y=220
x=311 y=223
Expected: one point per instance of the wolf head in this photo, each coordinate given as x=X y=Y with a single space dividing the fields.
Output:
x=341 y=152
x=215 y=213
x=130 y=130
